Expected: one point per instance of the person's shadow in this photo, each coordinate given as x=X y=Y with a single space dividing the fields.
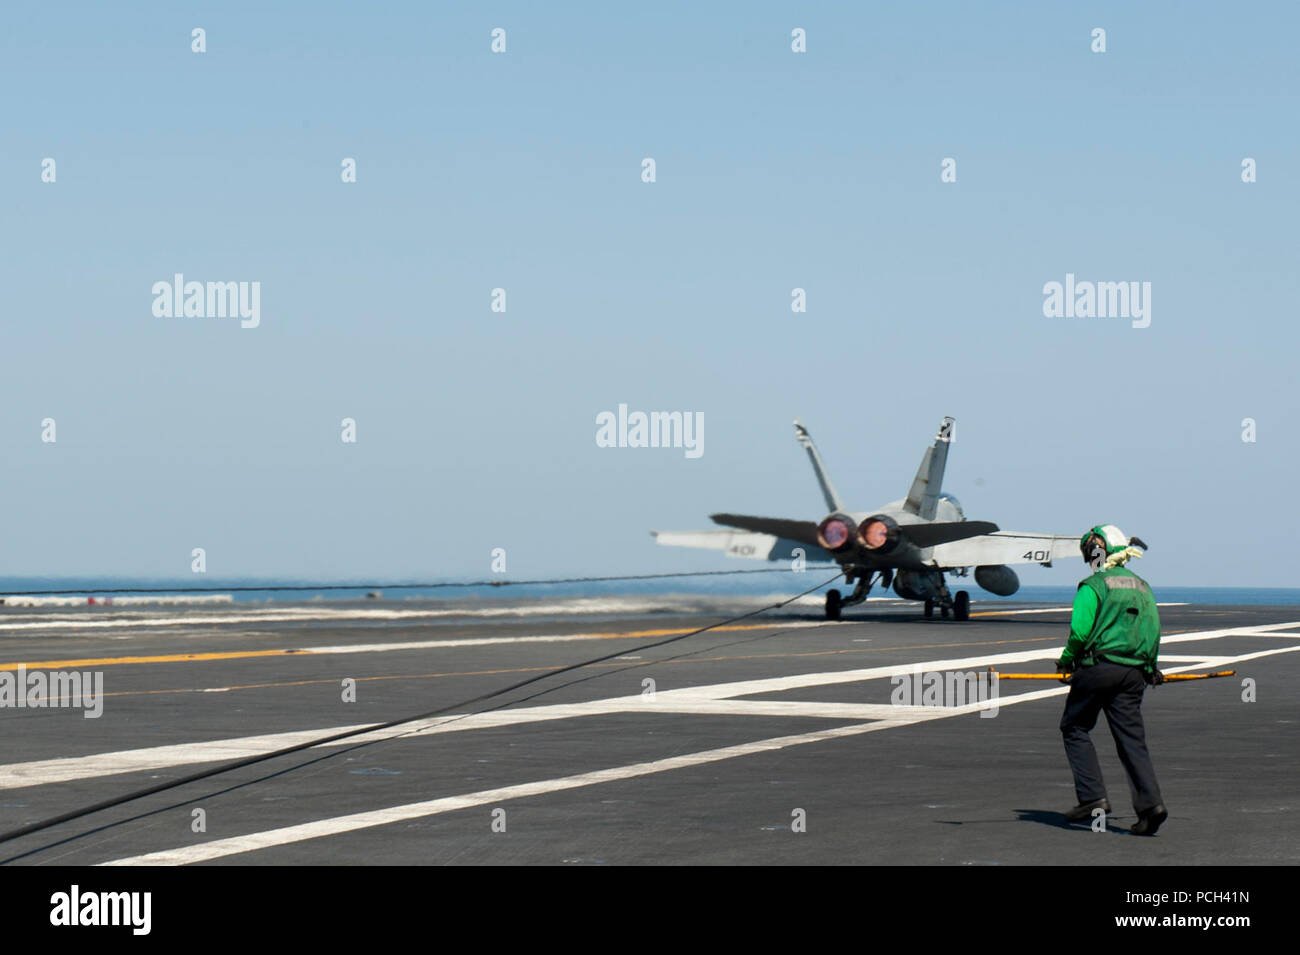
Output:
x=1057 y=820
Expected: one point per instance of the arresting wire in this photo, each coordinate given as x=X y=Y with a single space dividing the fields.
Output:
x=377 y=727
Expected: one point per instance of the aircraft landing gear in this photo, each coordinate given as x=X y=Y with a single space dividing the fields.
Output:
x=833 y=604
x=836 y=602
x=961 y=606
x=958 y=606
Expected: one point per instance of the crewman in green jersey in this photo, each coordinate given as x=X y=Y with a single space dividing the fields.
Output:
x=1111 y=656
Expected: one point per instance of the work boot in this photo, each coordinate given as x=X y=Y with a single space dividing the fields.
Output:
x=1083 y=811
x=1149 y=821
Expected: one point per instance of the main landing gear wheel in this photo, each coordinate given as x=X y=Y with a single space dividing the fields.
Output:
x=961 y=606
x=929 y=608
x=833 y=604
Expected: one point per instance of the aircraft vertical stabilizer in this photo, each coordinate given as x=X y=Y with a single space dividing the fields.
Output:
x=923 y=498
x=828 y=492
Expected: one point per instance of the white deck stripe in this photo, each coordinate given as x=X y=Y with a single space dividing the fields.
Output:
x=107 y=618
x=364 y=820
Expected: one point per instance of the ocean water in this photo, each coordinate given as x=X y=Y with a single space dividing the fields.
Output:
x=775 y=583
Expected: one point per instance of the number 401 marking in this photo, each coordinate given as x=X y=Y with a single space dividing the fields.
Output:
x=1041 y=556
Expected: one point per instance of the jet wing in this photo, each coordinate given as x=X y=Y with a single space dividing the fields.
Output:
x=1005 y=547
x=922 y=535
x=742 y=544
x=805 y=532
x=942 y=532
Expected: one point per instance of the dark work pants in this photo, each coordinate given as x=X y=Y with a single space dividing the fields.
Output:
x=1116 y=690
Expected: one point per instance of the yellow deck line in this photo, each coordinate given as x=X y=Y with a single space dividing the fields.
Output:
x=320 y=651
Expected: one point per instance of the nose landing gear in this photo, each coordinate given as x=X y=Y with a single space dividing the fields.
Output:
x=956 y=604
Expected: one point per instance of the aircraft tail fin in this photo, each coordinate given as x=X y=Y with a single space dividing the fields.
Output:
x=828 y=492
x=923 y=498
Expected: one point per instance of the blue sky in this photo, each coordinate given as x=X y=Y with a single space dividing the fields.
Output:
x=521 y=170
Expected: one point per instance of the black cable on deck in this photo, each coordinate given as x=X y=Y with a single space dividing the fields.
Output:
x=251 y=760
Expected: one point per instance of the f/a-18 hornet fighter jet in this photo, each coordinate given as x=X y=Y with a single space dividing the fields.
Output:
x=910 y=543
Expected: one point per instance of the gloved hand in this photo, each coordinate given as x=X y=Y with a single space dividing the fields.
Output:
x=1154 y=678
x=1066 y=670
